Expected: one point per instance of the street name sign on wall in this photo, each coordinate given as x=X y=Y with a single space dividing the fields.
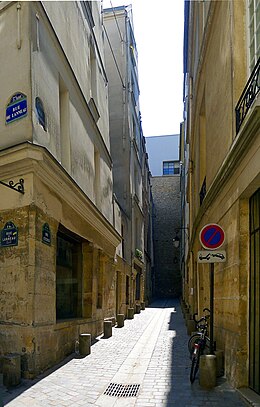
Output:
x=207 y=256
x=46 y=234
x=212 y=236
x=16 y=108
x=9 y=235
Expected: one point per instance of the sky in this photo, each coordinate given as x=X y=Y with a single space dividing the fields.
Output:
x=158 y=29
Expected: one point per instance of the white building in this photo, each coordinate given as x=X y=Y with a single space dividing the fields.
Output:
x=163 y=154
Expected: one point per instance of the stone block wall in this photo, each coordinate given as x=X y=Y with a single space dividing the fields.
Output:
x=28 y=294
x=167 y=213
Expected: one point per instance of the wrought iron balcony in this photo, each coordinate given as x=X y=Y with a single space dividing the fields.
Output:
x=248 y=96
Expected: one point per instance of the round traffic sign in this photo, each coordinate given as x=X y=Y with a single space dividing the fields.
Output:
x=212 y=236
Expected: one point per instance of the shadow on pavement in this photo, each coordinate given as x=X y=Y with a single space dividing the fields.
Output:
x=182 y=393
x=9 y=394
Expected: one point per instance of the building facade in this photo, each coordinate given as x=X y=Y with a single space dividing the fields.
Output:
x=60 y=227
x=148 y=226
x=130 y=172
x=222 y=132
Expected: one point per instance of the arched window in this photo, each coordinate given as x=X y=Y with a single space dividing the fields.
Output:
x=40 y=112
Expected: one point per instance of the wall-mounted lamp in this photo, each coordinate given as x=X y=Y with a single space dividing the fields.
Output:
x=176 y=239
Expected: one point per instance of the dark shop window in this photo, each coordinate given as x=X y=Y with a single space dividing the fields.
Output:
x=68 y=277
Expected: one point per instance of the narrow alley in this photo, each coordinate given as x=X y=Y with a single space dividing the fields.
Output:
x=150 y=352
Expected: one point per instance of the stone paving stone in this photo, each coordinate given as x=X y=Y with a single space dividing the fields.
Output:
x=79 y=382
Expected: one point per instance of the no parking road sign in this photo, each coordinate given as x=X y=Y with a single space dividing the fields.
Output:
x=212 y=236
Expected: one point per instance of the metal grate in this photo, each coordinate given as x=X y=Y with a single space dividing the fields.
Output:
x=122 y=390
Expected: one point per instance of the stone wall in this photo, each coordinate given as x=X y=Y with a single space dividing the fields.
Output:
x=166 y=197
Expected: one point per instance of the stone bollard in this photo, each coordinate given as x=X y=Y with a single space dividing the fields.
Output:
x=84 y=344
x=107 y=329
x=11 y=369
x=137 y=308
x=120 y=320
x=208 y=372
x=190 y=326
x=130 y=313
x=142 y=306
x=219 y=362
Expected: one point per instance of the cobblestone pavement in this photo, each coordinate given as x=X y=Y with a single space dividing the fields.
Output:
x=151 y=350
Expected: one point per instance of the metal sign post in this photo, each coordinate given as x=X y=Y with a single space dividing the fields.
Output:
x=212 y=236
x=211 y=333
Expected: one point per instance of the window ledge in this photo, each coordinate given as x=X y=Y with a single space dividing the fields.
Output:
x=64 y=323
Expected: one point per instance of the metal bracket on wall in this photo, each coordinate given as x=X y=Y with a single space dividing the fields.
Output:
x=17 y=187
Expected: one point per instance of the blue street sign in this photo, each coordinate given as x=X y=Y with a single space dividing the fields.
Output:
x=9 y=235
x=46 y=234
x=16 y=108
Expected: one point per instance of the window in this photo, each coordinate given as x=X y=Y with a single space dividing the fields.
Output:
x=254 y=293
x=127 y=290
x=40 y=112
x=87 y=10
x=93 y=71
x=100 y=280
x=138 y=287
x=97 y=187
x=123 y=241
x=64 y=108
x=68 y=277
x=254 y=32
x=134 y=88
x=171 y=167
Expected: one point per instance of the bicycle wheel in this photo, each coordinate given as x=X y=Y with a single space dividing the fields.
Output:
x=194 y=365
x=195 y=339
x=191 y=343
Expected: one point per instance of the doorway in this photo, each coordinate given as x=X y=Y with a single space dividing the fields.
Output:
x=254 y=294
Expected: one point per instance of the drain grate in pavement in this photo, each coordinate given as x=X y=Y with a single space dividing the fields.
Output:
x=122 y=390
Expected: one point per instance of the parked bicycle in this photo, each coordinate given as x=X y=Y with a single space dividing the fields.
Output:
x=201 y=325
x=199 y=343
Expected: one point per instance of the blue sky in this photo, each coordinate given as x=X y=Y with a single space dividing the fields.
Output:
x=158 y=28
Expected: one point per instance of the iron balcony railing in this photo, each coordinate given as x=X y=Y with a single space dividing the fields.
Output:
x=248 y=96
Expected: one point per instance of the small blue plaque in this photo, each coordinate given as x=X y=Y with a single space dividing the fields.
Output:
x=9 y=235
x=16 y=108
x=46 y=234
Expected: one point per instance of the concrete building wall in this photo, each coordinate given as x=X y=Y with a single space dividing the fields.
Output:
x=167 y=211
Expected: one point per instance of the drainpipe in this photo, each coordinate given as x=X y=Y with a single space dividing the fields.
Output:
x=231 y=15
x=18 y=43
